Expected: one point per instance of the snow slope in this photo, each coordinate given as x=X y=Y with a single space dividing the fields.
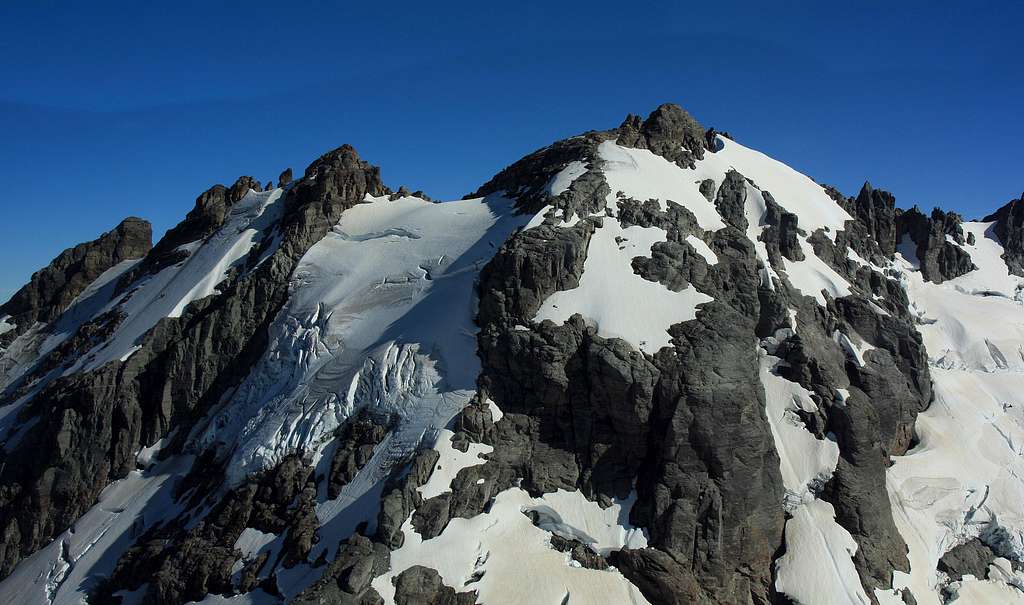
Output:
x=965 y=478
x=380 y=314
x=167 y=293
x=63 y=572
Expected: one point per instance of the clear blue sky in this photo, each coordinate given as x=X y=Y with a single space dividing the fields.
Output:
x=109 y=110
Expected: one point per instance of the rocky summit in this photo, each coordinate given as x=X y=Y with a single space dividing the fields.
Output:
x=640 y=365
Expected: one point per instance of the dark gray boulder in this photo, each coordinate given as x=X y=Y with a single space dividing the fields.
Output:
x=420 y=585
x=972 y=557
x=346 y=581
x=730 y=201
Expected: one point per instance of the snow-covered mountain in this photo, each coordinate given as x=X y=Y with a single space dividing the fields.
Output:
x=641 y=365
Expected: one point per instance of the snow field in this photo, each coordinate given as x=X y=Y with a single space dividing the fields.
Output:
x=965 y=477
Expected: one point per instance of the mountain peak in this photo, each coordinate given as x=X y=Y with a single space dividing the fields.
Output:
x=645 y=350
x=669 y=131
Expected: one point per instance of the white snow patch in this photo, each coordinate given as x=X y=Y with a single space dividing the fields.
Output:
x=449 y=464
x=643 y=175
x=853 y=349
x=702 y=249
x=812 y=276
x=620 y=303
x=4 y=326
x=571 y=516
x=501 y=553
x=252 y=541
x=147 y=456
x=496 y=413
x=805 y=460
x=539 y=218
x=818 y=564
x=564 y=179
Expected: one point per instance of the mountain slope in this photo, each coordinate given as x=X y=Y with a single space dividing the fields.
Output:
x=644 y=365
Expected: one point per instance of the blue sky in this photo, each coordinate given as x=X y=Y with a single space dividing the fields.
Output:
x=126 y=109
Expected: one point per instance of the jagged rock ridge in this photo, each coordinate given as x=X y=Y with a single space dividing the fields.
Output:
x=646 y=364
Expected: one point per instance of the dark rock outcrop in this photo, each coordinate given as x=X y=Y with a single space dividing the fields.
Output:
x=586 y=412
x=420 y=585
x=284 y=178
x=874 y=212
x=668 y=131
x=346 y=581
x=579 y=552
x=939 y=258
x=357 y=439
x=730 y=201
x=782 y=230
x=53 y=288
x=972 y=557
x=1009 y=229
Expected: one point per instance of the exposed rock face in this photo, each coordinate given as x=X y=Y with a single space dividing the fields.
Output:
x=783 y=230
x=357 y=439
x=731 y=199
x=52 y=289
x=422 y=586
x=347 y=579
x=669 y=132
x=285 y=177
x=940 y=259
x=95 y=422
x=581 y=411
x=972 y=557
x=875 y=214
x=1009 y=229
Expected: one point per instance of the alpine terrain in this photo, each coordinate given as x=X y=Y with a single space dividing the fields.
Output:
x=640 y=365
